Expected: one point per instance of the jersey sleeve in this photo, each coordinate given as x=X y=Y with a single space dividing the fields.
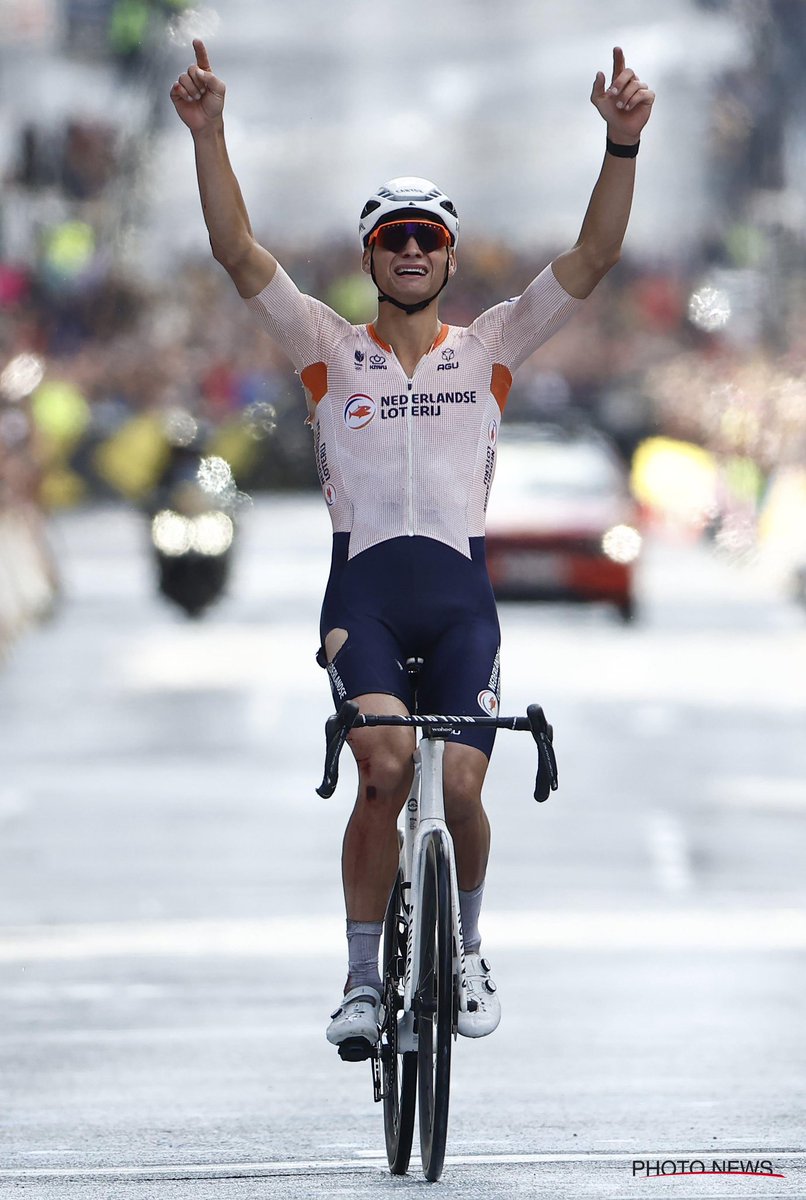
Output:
x=515 y=329
x=305 y=328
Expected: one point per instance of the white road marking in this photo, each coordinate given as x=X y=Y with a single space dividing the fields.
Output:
x=184 y=659
x=648 y=929
x=285 y=937
x=50 y=1150
x=669 y=852
x=688 y=928
x=653 y=720
x=171 y=1034
x=12 y=804
x=762 y=793
x=364 y=1161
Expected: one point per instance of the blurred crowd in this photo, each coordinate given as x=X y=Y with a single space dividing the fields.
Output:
x=97 y=367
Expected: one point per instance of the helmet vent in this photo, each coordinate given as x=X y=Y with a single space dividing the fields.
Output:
x=369 y=207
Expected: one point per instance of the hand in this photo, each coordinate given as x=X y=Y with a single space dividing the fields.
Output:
x=626 y=104
x=198 y=96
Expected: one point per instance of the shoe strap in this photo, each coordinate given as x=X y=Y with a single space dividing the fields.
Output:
x=361 y=993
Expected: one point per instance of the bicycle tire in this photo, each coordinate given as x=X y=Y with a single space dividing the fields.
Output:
x=399 y=1071
x=434 y=1009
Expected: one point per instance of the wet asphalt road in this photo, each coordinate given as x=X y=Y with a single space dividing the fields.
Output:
x=170 y=903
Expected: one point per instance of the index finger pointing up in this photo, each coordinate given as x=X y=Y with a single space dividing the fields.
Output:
x=618 y=62
x=202 y=57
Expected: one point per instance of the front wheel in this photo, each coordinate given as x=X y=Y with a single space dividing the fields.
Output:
x=399 y=1071
x=434 y=1008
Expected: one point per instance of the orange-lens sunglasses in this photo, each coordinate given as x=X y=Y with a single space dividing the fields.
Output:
x=395 y=236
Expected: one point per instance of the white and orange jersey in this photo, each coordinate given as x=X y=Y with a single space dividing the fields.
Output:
x=402 y=456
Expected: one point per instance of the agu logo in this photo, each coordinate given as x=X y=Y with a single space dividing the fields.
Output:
x=488 y=701
x=359 y=411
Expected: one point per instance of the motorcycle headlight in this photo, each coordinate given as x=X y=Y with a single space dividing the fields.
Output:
x=171 y=533
x=622 y=543
x=212 y=533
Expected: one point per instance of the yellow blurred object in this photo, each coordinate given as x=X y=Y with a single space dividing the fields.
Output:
x=782 y=525
x=354 y=297
x=61 y=414
x=61 y=488
x=132 y=460
x=676 y=479
x=744 y=480
x=234 y=443
x=69 y=247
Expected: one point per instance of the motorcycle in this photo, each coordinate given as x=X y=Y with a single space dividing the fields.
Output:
x=193 y=529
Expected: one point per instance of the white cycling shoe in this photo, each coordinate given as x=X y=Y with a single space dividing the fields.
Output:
x=484 y=1007
x=354 y=1025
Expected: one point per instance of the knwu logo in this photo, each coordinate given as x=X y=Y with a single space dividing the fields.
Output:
x=448 y=363
x=377 y=362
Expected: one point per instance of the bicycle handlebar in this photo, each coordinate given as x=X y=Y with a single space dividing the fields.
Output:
x=349 y=717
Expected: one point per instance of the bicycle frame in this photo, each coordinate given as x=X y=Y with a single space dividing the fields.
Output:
x=425 y=808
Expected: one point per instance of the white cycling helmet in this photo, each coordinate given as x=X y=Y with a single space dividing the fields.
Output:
x=405 y=194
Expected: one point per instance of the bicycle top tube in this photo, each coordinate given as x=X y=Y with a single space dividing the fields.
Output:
x=350 y=717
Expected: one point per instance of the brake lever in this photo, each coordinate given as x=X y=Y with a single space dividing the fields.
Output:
x=337 y=727
x=547 y=779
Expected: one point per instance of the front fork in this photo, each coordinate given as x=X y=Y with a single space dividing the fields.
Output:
x=417 y=826
x=421 y=822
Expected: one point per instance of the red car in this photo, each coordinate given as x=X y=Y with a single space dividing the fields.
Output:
x=561 y=523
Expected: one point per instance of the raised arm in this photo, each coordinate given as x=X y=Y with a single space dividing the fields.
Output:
x=198 y=97
x=625 y=105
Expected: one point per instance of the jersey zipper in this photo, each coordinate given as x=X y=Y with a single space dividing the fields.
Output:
x=410 y=460
x=409 y=450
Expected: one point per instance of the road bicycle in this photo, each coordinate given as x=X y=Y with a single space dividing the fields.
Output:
x=424 y=982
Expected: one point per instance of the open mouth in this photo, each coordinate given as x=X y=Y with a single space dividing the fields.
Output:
x=417 y=272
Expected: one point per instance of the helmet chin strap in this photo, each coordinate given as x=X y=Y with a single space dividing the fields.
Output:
x=407 y=308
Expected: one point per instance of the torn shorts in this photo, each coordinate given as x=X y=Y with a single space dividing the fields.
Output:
x=414 y=597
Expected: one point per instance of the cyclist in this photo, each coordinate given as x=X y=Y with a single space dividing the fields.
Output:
x=405 y=414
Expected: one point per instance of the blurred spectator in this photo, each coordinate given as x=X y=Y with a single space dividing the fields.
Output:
x=28 y=579
x=710 y=351
x=632 y=360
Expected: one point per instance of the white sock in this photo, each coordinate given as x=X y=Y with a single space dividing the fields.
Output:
x=470 y=907
x=363 y=942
